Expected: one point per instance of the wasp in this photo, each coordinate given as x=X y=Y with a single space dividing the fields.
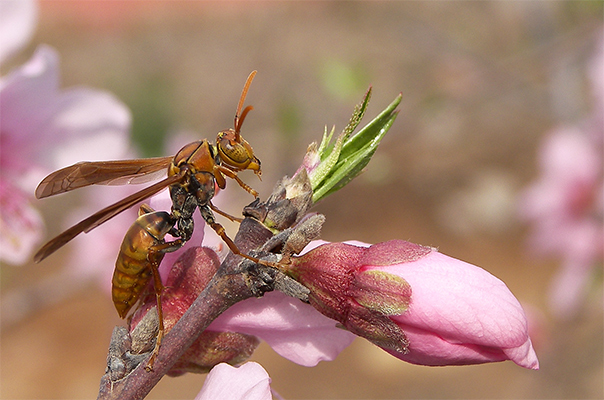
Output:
x=192 y=175
x=141 y=253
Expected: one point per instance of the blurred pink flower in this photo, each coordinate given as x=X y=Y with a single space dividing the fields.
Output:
x=17 y=24
x=92 y=255
x=247 y=382
x=565 y=205
x=43 y=128
x=458 y=313
x=561 y=204
x=20 y=224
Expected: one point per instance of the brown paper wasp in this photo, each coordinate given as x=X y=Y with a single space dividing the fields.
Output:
x=192 y=175
x=138 y=261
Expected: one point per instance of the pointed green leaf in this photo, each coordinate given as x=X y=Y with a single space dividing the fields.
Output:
x=356 y=151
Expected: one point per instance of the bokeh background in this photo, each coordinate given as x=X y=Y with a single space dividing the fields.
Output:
x=483 y=83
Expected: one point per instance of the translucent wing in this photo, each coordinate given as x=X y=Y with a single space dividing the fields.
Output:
x=103 y=215
x=88 y=173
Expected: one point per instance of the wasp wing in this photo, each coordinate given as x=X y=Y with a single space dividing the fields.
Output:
x=88 y=173
x=103 y=215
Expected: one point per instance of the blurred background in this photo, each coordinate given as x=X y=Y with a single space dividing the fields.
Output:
x=484 y=84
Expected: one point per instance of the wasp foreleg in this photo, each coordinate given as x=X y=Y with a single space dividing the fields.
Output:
x=207 y=215
x=228 y=216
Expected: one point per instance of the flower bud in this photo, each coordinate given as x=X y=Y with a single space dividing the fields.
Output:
x=361 y=299
x=442 y=311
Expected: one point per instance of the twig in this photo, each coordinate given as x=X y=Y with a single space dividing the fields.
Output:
x=236 y=280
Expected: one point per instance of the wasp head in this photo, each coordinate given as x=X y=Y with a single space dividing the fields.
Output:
x=236 y=153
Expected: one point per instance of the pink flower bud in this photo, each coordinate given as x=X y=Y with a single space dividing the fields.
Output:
x=445 y=311
x=359 y=298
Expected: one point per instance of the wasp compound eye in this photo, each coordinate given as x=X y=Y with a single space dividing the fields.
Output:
x=237 y=154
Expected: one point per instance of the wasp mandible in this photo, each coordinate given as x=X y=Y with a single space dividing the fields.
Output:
x=141 y=253
x=192 y=175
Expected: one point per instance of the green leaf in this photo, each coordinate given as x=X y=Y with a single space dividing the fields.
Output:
x=345 y=160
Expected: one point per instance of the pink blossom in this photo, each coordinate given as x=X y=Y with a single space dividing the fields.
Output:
x=565 y=205
x=20 y=223
x=44 y=128
x=247 y=382
x=17 y=24
x=561 y=203
x=457 y=314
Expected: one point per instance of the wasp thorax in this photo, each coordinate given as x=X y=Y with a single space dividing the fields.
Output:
x=185 y=153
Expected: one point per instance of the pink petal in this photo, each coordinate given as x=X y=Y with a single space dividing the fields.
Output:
x=37 y=118
x=94 y=125
x=20 y=225
x=567 y=155
x=461 y=314
x=293 y=329
x=27 y=94
x=17 y=24
x=247 y=382
x=570 y=167
x=568 y=288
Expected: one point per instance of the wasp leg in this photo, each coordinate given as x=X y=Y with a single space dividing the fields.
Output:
x=159 y=288
x=156 y=254
x=233 y=175
x=207 y=215
x=168 y=247
x=228 y=216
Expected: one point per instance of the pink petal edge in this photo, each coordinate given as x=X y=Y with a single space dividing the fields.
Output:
x=248 y=382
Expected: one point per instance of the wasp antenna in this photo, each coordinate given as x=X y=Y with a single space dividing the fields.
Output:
x=246 y=110
x=248 y=82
